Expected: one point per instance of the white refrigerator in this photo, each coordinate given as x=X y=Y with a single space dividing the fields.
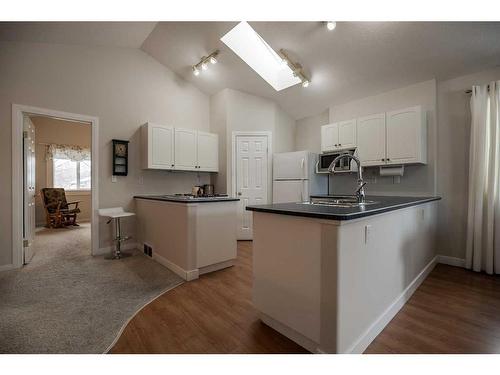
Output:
x=295 y=177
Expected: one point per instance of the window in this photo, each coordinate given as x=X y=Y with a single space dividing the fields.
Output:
x=71 y=175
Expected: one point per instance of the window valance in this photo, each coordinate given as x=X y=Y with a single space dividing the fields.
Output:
x=71 y=152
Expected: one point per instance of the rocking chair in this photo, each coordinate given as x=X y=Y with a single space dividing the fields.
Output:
x=57 y=210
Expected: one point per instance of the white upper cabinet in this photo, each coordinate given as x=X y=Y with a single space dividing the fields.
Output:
x=406 y=136
x=329 y=137
x=371 y=139
x=347 y=134
x=338 y=136
x=395 y=137
x=166 y=147
x=157 y=145
x=186 y=149
x=208 y=152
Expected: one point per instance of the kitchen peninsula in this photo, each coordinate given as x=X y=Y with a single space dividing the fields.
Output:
x=189 y=235
x=330 y=276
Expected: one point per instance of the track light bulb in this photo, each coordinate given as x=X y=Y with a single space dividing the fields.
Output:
x=213 y=60
x=330 y=25
x=305 y=83
x=204 y=66
x=284 y=63
x=196 y=71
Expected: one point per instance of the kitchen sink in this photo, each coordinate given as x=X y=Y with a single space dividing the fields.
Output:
x=345 y=202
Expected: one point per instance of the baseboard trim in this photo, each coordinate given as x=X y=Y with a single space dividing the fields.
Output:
x=451 y=261
x=217 y=266
x=187 y=275
x=108 y=249
x=7 y=267
x=374 y=330
x=290 y=333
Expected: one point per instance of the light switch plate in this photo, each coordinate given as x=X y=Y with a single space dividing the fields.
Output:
x=113 y=178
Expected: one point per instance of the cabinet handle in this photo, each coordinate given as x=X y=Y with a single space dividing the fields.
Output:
x=172 y=165
x=383 y=159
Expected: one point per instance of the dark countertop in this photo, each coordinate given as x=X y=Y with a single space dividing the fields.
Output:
x=184 y=199
x=384 y=204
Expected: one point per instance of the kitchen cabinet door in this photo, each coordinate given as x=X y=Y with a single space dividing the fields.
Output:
x=157 y=142
x=186 y=157
x=329 y=137
x=406 y=136
x=371 y=139
x=208 y=152
x=347 y=134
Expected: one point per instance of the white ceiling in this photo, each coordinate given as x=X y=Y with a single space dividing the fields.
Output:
x=357 y=59
x=117 y=34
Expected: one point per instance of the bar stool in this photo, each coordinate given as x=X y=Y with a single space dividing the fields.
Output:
x=116 y=213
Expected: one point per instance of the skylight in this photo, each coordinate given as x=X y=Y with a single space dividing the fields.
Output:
x=252 y=49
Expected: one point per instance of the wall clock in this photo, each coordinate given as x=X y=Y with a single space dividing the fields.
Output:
x=120 y=157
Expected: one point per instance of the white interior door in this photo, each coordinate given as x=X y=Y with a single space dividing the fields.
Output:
x=251 y=179
x=29 y=188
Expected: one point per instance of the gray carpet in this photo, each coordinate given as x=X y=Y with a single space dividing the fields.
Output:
x=66 y=301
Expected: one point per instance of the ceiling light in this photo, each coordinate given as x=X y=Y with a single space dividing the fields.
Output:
x=203 y=63
x=330 y=25
x=305 y=83
x=254 y=50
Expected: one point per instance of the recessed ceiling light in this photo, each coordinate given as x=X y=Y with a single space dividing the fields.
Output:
x=253 y=49
x=330 y=25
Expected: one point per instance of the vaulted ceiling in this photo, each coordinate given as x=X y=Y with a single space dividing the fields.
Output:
x=357 y=59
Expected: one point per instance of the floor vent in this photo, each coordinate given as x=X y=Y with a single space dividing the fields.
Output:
x=148 y=250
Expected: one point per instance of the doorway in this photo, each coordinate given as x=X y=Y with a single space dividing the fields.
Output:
x=251 y=174
x=53 y=152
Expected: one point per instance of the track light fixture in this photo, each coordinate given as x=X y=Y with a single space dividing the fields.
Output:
x=296 y=69
x=203 y=63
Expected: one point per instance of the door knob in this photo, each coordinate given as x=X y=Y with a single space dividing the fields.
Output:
x=239 y=192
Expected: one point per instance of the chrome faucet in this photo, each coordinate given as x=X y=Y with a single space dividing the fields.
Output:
x=360 y=190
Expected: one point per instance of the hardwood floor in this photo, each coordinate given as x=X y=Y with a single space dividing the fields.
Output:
x=213 y=314
x=453 y=311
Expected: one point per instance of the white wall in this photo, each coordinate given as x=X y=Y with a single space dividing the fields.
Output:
x=453 y=155
x=233 y=110
x=123 y=87
x=308 y=132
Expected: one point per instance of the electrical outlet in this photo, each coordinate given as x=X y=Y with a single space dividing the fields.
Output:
x=141 y=180
x=113 y=178
x=368 y=233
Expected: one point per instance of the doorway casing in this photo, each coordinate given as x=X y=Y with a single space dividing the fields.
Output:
x=18 y=111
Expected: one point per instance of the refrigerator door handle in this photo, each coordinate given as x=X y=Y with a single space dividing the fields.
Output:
x=302 y=163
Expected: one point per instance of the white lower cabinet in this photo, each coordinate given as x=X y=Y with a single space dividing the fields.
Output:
x=166 y=147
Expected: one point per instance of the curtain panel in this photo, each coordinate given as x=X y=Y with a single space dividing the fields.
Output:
x=483 y=220
x=71 y=152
